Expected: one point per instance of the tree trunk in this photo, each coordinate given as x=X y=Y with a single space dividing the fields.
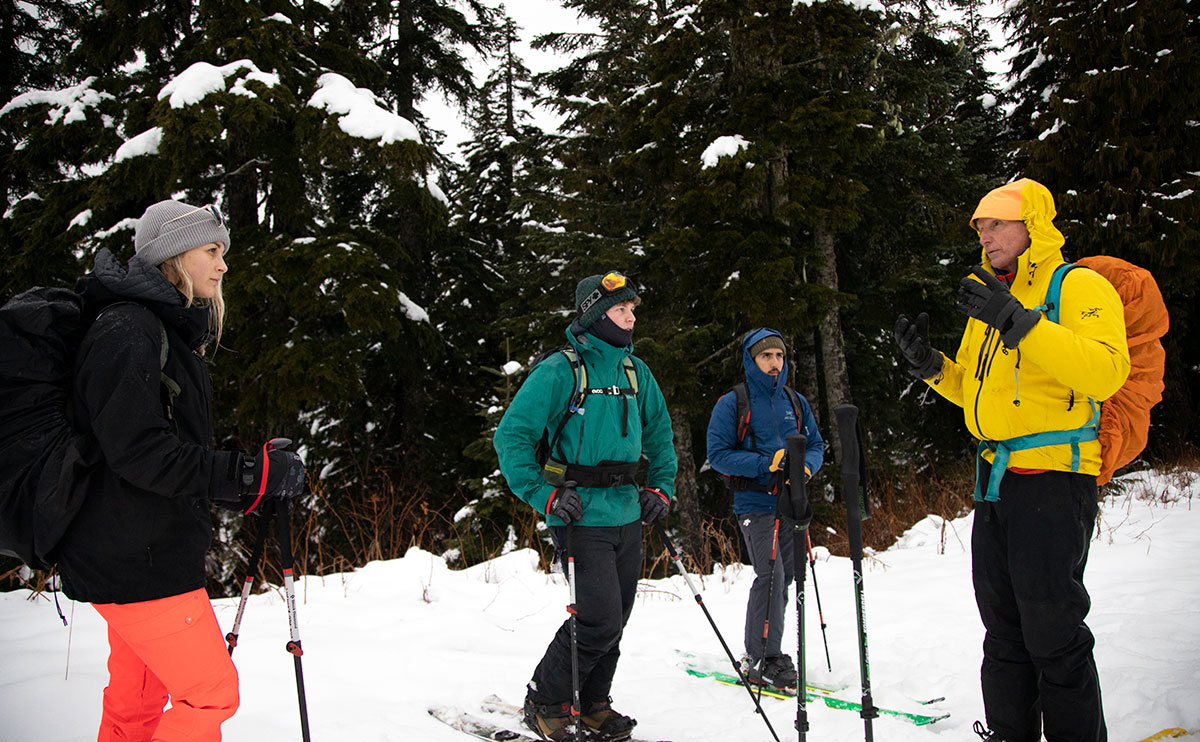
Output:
x=804 y=367
x=687 y=501
x=241 y=181
x=833 y=350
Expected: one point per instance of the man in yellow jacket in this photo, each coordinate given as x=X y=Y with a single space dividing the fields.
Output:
x=1029 y=388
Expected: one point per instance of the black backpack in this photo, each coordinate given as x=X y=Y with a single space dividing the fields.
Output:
x=41 y=454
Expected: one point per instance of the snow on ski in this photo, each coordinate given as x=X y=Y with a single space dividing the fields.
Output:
x=477 y=727
x=501 y=727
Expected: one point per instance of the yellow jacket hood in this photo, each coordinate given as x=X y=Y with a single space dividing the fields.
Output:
x=1028 y=201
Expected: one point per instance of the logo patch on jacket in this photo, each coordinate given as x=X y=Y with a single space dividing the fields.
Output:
x=1092 y=313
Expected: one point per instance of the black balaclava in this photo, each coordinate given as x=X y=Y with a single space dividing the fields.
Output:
x=605 y=329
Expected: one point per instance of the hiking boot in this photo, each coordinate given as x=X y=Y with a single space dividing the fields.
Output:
x=777 y=671
x=984 y=734
x=551 y=721
x=602 y=722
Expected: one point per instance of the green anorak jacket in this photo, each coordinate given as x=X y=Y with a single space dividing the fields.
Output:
x=1044 y=384
x=611 y=428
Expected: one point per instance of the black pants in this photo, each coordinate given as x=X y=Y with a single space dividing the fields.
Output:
x=1028 y=553
x=758 y=529
x=608 y=561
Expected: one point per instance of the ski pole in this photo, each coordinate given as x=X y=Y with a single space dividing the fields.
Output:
x=800 y=513
x=662 y=533
x=572 y=612
x=260 y=543
x=284 y=534
x=812 y=563
x=854 y=484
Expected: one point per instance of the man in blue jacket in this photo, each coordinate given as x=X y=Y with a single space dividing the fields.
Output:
x=751 y=453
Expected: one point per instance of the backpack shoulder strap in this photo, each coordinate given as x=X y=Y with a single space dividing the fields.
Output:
x=630 y=373
x=741 y=395
x=1053 y=301
x=579 y=372
x=575 y=401
x=171 y=386
x=797 y=408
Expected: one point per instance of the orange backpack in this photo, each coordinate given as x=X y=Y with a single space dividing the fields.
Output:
x=1125 y=416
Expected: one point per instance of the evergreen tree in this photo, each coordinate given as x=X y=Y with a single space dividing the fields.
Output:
x=1104 y=99
x=332 y=205
x=417 y=45
x=32 y=36
x=941 y=147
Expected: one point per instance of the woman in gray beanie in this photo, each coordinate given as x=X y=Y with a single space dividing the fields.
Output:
x=141 y=399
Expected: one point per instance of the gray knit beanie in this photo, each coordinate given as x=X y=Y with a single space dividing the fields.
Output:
x=595 y=295
x=770 y=341
x=169 y=228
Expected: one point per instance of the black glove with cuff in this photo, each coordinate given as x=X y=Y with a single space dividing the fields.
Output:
x=655 y=505
x=275 y=473
x=565 y=504
x=992 y=303
x=913 y=340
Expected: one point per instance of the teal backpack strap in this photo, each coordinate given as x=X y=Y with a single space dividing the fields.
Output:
x=1051 y=305
x=1035 y=440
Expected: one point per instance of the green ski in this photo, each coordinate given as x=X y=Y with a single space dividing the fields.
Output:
x=823 y=695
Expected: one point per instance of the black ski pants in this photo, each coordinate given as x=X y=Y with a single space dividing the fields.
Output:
x=1028 y=553
x=769 y=591
x=608 y=561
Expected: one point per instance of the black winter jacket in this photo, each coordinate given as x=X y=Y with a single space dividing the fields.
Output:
x=145 y=526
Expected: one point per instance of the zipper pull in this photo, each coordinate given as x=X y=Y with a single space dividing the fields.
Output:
x=1017 y=380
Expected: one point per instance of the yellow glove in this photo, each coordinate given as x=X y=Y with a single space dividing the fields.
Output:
x=777 y=462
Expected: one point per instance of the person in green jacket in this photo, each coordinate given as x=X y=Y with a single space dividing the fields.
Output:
x=586 y=489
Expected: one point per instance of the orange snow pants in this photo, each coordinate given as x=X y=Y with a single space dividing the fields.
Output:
x=160 y=649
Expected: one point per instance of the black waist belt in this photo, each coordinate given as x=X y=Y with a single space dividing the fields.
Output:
x=604 y=474
x=750 y=484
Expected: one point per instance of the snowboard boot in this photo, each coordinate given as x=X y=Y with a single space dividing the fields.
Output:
x=603 y=724
x=550 y=721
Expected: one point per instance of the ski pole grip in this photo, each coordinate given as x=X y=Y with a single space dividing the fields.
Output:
x=796 y=507
x=854 y=466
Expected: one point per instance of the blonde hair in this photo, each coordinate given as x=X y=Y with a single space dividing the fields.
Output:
x=172 y=268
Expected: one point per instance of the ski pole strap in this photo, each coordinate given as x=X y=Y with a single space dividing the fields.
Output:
x=1002 y=450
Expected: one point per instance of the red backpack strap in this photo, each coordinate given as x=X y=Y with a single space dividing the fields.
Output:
x=742 y=396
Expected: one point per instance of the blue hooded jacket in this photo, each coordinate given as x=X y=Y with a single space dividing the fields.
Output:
x=772 y=419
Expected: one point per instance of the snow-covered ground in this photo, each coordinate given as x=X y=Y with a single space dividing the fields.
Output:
x=386 y=642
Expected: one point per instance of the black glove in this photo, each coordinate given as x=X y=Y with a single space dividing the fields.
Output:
x=275 y=473
x=913 y=339
x=565 y=504
x=993 y=303
x=655 y=505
